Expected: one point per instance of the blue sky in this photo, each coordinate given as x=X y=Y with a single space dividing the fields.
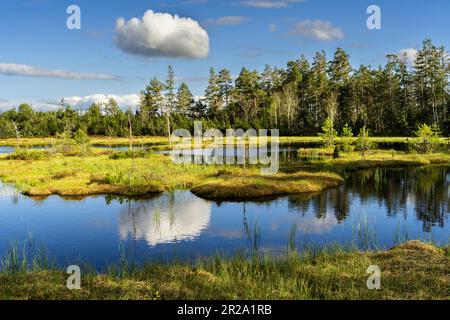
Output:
x=250 y=33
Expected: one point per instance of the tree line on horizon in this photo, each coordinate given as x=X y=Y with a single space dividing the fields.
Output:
x=391 y=100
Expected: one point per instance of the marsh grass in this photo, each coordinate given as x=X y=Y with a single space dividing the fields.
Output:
x=98 y=174
x=401 y=234
x=410 y=270
x=23 y=256
x=413 y=270
x=365 y=235
x=351 y=161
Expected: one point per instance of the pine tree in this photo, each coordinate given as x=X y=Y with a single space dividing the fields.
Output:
x=224 y=82
x=170 y=99
x=212 y=93
x=185 y=99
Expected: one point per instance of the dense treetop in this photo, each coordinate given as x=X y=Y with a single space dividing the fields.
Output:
x=390 y=100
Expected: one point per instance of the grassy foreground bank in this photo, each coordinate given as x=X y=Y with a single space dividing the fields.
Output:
x=99 y=174
x=410 y=271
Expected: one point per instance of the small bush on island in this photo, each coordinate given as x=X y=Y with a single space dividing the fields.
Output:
x=70 y=145
x=363 y=144
x=129 y=154
x=28 y=155
x=347 y=135
x=428 y=139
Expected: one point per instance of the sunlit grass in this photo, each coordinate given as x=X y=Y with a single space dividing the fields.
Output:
x=378 y=158
x=414 y=270
x=98 y=174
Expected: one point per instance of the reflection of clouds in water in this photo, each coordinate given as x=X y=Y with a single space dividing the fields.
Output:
x=8 y=192
x=312 y=225
x=226 y=234
x=170 y=218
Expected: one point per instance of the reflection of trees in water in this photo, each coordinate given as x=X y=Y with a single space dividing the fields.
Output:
x=335 y=200
x=424 y=188
x=432 y=201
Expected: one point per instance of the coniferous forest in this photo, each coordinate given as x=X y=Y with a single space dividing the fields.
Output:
x=390 y=100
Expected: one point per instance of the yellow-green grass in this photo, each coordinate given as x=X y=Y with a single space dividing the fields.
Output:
x=340 y=139
x=246 y=186
x=379 y=158
x=316 y=151
x=137 y=141
x=98 y=174
x=96 y=140
x=410 y=271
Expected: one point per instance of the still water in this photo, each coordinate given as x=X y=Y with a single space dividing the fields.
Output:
x=374 y=208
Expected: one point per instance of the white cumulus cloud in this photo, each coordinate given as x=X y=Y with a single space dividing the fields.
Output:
x=12 y=69
x=408 y=55
x=84 y=102
x=318 y=30
x=162 y=35
x=76 y=102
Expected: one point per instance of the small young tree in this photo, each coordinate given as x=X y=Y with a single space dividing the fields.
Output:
x=362 y=143
x=82 y=141
x=428 y=138
x=328 y=134
x=347 y=135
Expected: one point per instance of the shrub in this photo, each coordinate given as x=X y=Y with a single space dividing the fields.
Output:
x=115 y=179
x=82 y=142
x=28 y=155
x=79 y=145
x=128 y=154
x=362 y=143
x=428 y=138
x=347 y=135
x=63 y=174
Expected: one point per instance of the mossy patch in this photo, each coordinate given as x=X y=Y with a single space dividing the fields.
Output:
x=249 y=187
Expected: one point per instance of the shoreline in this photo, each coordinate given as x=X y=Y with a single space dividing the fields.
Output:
x=412 y=270
x=153 y=174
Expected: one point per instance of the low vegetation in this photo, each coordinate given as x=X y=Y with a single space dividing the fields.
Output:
x=414 y=270
x=322 y=158
x=245 y=186
x=111 y=174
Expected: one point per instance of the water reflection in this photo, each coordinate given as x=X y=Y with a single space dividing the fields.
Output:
x=386 y=203
x=425 y=189
x=172 y=217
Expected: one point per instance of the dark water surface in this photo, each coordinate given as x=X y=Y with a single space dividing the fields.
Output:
x=373 y=208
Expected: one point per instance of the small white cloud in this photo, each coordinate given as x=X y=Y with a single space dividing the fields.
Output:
x=408 y=55
x=318 y=29
x=227 y=21
x=269 y=4
x=273 y=27
x=11 y=69
x=162 y=35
